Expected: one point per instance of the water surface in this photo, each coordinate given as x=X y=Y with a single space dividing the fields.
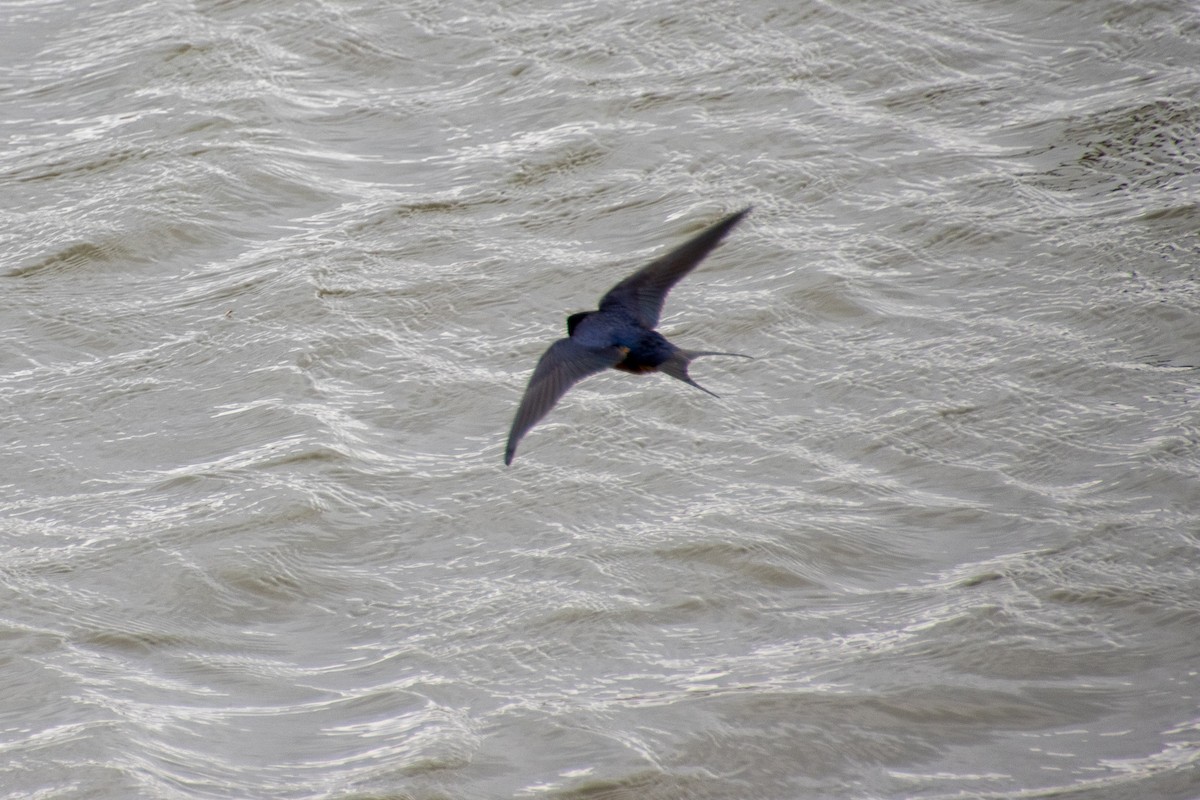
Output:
x=275 y=277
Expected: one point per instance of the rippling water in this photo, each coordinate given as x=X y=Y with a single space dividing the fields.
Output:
x=275 y=275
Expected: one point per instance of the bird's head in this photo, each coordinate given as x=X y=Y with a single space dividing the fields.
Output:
x=574 y=320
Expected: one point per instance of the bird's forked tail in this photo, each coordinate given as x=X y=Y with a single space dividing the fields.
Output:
x=677 y=365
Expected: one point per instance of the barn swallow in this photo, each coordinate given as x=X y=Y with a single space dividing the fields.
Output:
x=619 y=334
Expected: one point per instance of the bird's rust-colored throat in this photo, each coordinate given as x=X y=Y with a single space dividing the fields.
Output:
x=636 y=367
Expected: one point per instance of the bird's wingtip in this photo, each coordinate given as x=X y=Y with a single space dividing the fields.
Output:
x=734 y=218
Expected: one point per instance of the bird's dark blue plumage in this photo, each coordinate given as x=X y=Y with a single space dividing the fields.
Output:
x=619 y=334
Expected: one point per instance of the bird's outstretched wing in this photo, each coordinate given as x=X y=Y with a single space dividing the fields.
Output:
x=643 y=293
x=563 y=365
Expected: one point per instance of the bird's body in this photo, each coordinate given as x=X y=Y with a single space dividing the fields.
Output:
x=619 y=334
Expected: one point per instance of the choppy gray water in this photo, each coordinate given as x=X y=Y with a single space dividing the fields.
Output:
x=274 y=276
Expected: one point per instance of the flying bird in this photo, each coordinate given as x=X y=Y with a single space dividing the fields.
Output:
x=619 y=334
